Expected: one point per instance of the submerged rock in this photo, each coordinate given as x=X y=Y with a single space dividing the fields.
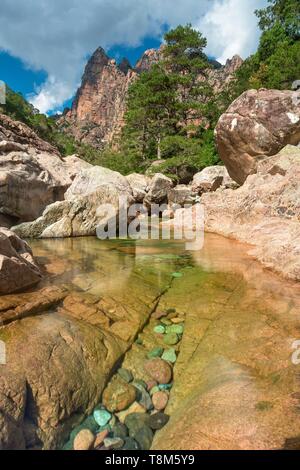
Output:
x=134 y=408
x=100 y=438
x=171 y=339
x=113 y=443
x=169 y=355
x=159 y=370
x=126 y=375
x=120 y=430
x=118 y=395
x=156 y=352
x=143 y=436
x=134 y=421
x=143 y=396
x=84 y=440
x=160 y=400
x=159 y=329
x=102 y=417
x=158 y=421
x=18 y=269
x=131 y=444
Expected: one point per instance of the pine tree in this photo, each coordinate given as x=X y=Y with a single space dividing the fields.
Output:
x=151 y=111
x=184 y=59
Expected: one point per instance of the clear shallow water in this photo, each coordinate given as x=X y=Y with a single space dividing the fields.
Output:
x=235 y=370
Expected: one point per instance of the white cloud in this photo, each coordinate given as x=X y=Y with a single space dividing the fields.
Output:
x=231 y=28
x=57 y=35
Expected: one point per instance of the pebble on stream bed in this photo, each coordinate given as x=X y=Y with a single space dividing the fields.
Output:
x=132 y=410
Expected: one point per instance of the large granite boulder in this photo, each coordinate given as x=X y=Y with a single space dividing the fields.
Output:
x=139 y=185
x=210 y=179
x=90 y=180
x=258 y=123
x=18 y=269
x=83 y=210
x=74 y=165
x=181 y=195
x=158 y=191
x=32 y=173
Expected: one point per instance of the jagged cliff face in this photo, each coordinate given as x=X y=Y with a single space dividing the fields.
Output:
x=97 y=114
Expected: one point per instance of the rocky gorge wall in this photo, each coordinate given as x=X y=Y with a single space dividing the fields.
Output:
x=97 y=114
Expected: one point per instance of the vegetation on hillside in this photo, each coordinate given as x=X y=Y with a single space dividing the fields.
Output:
x=169 y=109
x=276 y=64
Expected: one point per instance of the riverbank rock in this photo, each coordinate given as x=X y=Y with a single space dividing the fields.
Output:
x=74 y=165
x=89 y=181
x=85 y=207
x=18 y=269
x=32 y=173
x=257 y=124
x=17 y=134
x=264 y=212
x=158 y=190
x=181 y=195
x=210 y=179
x=139 y=185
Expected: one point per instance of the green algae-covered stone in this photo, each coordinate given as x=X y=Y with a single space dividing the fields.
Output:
x=156 y=352
x=177 y=275
x=159 y=329
x=169 y=355
x=154 y=390
x=165 y=387
x=171 y=339
x=102 y=417
x=178 y=329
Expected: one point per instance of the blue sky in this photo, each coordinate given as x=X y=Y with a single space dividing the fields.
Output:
x=44 y=45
